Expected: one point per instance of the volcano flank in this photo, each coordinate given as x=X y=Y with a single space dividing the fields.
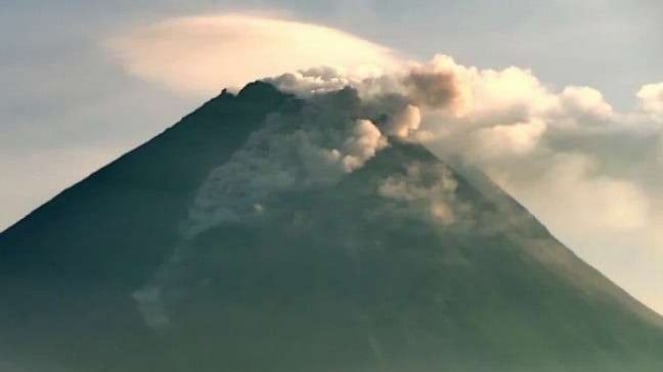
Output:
x=271 y=232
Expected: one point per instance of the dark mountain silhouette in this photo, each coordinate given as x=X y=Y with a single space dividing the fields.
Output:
x=355 y=274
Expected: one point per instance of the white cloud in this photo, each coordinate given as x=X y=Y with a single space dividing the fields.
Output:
x=518 y=139
x=584 y=101
x=488 y=94
x=365 y=141
x=203 y=54
x=312 y=81
x=651 y=98
x=571 y=197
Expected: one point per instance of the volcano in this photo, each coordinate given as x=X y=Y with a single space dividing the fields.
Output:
x=232 y=242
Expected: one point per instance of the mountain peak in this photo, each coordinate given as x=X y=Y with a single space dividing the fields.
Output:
x=260 y=91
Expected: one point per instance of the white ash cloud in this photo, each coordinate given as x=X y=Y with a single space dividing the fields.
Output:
x=651 y=98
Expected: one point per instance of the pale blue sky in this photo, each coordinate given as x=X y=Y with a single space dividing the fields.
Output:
x=67 y=107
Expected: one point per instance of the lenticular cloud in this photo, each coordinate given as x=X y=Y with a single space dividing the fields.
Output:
x=199 y=55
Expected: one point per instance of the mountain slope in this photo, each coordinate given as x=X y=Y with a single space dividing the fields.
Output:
x=175 y=258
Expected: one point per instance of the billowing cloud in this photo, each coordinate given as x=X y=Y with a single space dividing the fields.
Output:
x=559 y=151
x=203 y=54
x=404 y=123
x=592 y=174
x=584 y=102
x=431 y=88
x=651 y=98
x=362 y=145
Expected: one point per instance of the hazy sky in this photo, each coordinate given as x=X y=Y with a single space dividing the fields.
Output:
x=69 y=105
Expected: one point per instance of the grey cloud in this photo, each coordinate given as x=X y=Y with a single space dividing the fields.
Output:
x=432 y=89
